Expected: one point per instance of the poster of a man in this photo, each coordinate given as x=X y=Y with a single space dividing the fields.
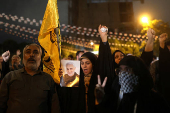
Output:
x=71 y=70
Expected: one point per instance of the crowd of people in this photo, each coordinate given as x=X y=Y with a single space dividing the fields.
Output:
x=108 y=83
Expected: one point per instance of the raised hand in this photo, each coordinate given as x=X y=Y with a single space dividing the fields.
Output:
x=150 y=34
x=99 y=82
x=60 y=73
x=6 y=56
x=150 y=42
x=99 y=90
x=103 y=35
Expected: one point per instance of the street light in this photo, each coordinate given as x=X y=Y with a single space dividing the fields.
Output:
x=145 y=20
x=91 y=43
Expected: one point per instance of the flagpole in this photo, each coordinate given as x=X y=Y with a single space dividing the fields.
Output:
x=58 y=42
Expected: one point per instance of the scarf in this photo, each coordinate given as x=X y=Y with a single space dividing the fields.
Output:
x=128 y=82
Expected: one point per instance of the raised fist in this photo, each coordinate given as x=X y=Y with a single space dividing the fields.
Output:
x=60 y=73
x=150 y=33
x=6 y=56
x=103 y=35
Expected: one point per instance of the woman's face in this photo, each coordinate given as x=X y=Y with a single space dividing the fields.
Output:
x=118 y=57
x=86 y=66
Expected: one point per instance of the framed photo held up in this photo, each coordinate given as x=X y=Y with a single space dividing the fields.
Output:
x=71 y=73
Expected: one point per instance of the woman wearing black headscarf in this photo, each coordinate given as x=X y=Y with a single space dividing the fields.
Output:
x=117 y=56
x=88 y=80
x=81 y=99
x=131 y=90
x=107 y=63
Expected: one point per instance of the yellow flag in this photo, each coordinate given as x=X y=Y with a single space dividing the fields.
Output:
x=48 y=40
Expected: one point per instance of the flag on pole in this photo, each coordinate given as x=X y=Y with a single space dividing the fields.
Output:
x=49 y=38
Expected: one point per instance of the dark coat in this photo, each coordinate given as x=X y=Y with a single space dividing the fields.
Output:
x=154 y=70
x=164 y=73
x=106 y=63
x=5 y=68
x=149 y=102
x=72 y=100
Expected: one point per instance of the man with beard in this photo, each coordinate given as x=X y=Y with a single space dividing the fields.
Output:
x=15 y=63
x=71 y=79
x=29 y=90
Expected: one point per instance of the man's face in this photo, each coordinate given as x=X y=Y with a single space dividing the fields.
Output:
x=79 y=55
x=15 y=60
x=70 y=69
x=32 y=57
x=1 y=59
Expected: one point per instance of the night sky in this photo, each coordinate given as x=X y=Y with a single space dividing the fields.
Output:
x=156 y=9
x=34 y=9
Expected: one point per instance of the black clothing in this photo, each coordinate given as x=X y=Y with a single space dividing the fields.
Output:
x=144 y=99
x=113 y=59
x=164 y=73
x=5 y=68
x=73 y=99
x=139 y=69
x=154 y=70
x=90 y=108
x=92 y=57
x=69 y=98
x=105 y=65
x=23 y=93
x=147 y=57
x=147 y=102
x=15 y=67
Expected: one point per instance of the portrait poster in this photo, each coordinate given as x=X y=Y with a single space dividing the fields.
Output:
x=71 y=73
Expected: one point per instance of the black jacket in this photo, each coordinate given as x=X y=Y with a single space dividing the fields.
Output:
x=164 y=73
x=73 y=99
x=147 y=102
x=21 y=92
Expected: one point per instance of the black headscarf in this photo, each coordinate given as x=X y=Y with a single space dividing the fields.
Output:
x=115 y=65
x=72 y=99
x=140 y=69
x=91 y=98
x=145 y=84
x=92 y=57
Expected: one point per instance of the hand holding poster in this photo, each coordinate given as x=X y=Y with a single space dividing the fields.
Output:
x=71 y=73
